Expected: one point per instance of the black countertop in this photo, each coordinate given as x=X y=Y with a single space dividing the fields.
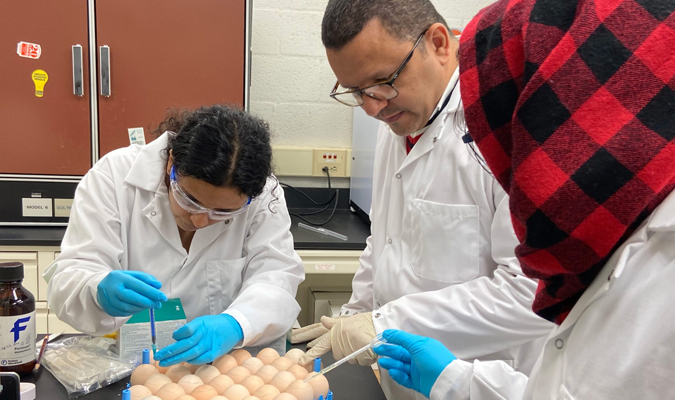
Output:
x=348 y=382
x=344 y=222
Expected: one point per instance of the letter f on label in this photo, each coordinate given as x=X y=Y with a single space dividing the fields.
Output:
x=18 y=327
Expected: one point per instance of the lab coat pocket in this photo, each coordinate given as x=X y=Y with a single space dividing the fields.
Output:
x=224 y=282
x=446 y=241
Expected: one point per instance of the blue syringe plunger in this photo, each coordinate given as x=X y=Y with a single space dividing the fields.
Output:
x=317 y=365
x=146 y=356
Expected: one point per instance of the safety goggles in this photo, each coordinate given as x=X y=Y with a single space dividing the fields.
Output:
x=191 y=206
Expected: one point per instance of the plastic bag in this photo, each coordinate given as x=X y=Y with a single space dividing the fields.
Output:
x=84 y=364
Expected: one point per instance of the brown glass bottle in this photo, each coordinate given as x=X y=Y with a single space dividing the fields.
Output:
x=17 y=321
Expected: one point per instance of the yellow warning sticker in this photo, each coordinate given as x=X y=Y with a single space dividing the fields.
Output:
x=40 y=79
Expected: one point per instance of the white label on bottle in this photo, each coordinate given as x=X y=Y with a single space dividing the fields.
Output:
x=17 y=339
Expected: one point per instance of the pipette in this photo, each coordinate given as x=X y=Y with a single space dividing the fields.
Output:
x=153 y=332
x=323 y=231
x=377 y=340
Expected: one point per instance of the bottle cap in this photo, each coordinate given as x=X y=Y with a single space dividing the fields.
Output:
x=146 y=356
x=126 y=394
x=317 y=365
x=11 y=271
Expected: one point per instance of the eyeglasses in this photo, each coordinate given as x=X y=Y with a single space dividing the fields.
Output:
x=382 y=90
x=193 y=207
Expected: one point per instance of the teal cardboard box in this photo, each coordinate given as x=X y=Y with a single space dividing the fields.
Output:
x=134 y=336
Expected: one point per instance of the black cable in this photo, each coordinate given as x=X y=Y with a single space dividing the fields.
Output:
x=307 y=196
x=335 y=196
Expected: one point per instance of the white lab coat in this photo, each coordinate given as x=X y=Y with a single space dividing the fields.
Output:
x=617 y=343
x=121 y=219
x=440 y=261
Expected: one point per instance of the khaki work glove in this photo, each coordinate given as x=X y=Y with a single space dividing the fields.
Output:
x=307 y=333
x=347 y=334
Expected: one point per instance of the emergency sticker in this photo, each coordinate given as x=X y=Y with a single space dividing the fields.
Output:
x=29 y=50
x=136 y=136
x=324 y=267
x=40 y=79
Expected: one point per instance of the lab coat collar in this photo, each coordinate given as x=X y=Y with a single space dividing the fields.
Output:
x=149 y=168
x=434 y=132
x=661 y=219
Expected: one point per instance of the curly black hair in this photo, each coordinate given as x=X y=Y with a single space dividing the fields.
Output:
x=221 y=145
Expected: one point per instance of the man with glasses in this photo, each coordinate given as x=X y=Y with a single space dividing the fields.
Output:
x=440 y=260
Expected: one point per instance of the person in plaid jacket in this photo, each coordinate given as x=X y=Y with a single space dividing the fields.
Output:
x=572 y=103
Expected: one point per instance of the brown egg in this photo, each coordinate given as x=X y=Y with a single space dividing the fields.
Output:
x=151 y=397
x=319 y=385
x=207 y=373
x=204 y=392
x=298 y=371
x=219 y=398
x=282 y=364
x=238 y=374
x=251 y=398
x=177 y=371
x=267 y=392
x=252 y=364
x=186 y=397
x=156 y=381
x=221 y=382
x=162 y=370
x=190 y=382
x=142 y=373
x=240 y=355
x=170 y=391
x=285 y=396
x=267 y=372
x=268 y=355
x=139 y=391
x=225 y=363
x=301 y=390
x=294 y=355
x=253 y=383
x=192 y=367
x=236 y=392
x=282 y=380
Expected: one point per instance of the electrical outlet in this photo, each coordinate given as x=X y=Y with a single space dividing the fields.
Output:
x=335 y=160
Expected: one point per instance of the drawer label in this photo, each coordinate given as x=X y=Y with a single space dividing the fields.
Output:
x=62 y=207
x=37 y=207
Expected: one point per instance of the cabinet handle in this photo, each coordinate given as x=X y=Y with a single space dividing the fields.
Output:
x=78 y=89
x=105 y=71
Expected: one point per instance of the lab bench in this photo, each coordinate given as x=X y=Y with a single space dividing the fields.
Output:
x=348 y=382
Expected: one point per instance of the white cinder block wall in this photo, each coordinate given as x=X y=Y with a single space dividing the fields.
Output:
x=291 y=78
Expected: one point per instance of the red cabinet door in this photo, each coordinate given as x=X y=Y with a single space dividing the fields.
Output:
x=48 y=135
x=167 y=54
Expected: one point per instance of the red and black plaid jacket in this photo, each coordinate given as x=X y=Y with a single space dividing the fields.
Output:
x=572 y=104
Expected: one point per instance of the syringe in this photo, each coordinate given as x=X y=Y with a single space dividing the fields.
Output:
x=376 y=341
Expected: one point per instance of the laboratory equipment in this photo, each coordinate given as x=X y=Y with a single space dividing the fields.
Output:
x=323 y=231
x=153 y=332
x=376 y=341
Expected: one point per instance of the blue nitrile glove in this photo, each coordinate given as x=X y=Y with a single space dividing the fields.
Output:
x=125 y=293
x=413 y=361
x=202 y=340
